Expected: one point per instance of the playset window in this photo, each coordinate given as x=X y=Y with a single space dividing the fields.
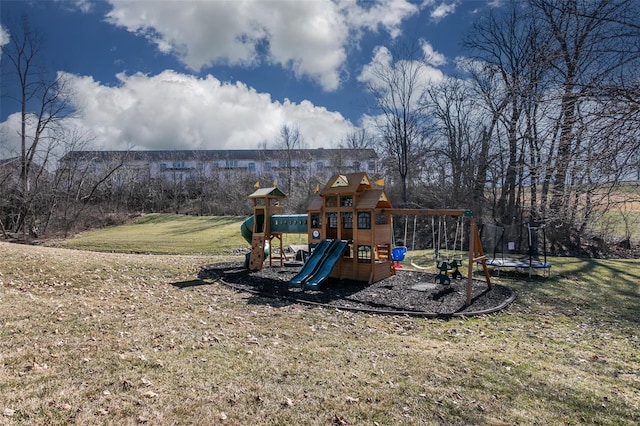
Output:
x=348 y=252
x=332 y=220
x=347 y=220
x=346 y=201
x=381 y=219
x=364 y=254
x=364 y=220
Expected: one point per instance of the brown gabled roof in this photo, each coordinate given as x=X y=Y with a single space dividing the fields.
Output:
x=271 y=192
x=373 y=199
x=315 y=203
x=349 y=183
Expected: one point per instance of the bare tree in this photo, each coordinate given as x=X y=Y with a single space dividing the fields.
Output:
x=43 y=104
x=80 y=183
x=591 y=45
x=560 y=66
x=289 y=140
x=397 y=88
x=451 y=105
x=358 y=139
x=507 y=44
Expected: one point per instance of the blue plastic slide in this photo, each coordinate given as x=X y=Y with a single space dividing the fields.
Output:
x=334 y=253
x=312 y=263
x=319 y=265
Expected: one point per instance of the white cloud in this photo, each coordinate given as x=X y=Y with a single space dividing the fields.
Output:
x=382 y=68
x=387 y=14
x=308 y=37
x=382 y=64
x=9 y=140
x=469 y=65
x=431 y=56
x=176 y=111
x=4 y=38
x=442 y=10
x=84 y=6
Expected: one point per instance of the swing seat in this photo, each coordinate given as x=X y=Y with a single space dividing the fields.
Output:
x=443 y=278
x=398 y=254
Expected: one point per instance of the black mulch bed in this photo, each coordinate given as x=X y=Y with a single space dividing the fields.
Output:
x=408 y=292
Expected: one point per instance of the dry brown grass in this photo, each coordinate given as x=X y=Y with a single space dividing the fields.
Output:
x=98 y=338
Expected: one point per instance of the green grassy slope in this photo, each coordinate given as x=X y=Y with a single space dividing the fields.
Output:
x=171 y=234
x=166 y=234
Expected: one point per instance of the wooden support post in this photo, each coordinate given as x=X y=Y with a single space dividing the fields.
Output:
x=472 y=243
x=476 y=253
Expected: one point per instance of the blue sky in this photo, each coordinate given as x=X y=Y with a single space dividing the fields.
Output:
x=223 y=74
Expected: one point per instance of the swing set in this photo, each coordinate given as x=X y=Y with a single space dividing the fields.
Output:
x=447 y=261
x=445 y=248
x=443 y=234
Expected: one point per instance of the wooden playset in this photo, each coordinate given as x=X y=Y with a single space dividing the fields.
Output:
x=349 y=230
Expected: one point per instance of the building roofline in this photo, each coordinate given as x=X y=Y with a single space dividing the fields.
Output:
x=212 y=155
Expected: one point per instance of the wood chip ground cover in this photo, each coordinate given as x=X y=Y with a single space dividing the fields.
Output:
x=410 y=292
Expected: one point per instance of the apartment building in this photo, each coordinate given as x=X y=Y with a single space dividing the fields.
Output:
x=197 y=164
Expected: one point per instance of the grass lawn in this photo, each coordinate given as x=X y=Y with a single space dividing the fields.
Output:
x=171 y=234
x=92 y=337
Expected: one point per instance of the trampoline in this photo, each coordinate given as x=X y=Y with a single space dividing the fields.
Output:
x=516 y=247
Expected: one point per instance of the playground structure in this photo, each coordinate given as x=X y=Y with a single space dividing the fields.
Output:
x=267 y=224
x=349 y=230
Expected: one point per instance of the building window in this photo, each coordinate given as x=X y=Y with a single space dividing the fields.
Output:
x=371 y=166
x=364 y=254
x=332 y=220
x=348 y=252
x=231 y=164
x=267 y=166
x=320 y=166
x=381 y=219
x=364 y=220
x=346 y=201
x=315 y=220
x=251 y=167
x=331 y=201
x=347 y=220
x=356 y=166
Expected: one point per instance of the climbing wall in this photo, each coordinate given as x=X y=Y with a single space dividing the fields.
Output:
x=257 y=253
